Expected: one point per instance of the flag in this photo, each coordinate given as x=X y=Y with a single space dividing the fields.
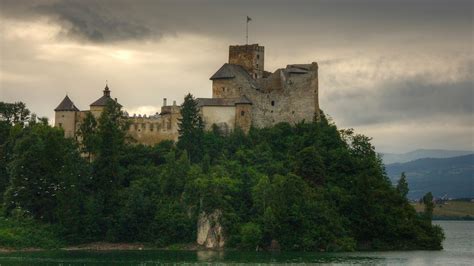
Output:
x=249 y=19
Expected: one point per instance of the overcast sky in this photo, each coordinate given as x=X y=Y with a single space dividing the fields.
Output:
x=398 y=71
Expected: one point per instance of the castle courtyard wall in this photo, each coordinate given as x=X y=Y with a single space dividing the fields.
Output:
x=222 y=116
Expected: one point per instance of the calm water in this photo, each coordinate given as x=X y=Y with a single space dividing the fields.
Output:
x=458 y=250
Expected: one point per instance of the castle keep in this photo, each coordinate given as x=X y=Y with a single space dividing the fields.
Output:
x=243 y=95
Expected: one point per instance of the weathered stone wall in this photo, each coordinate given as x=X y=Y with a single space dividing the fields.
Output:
x=243 y=116
x=154 y=129
x=67 y=121
x=222 y=116
x=251 y=57
x=144 y=130
x=225 y=88
x=293 y=99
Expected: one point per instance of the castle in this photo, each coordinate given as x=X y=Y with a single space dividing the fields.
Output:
x=243 y=95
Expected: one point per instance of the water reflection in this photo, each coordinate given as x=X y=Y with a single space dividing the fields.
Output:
x=209 y=256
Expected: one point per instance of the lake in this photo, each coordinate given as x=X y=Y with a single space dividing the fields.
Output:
x=458 y=250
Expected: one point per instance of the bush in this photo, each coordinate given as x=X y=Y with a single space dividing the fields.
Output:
x=250 y=235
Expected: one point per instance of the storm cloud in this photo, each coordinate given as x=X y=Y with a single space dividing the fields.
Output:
x=400 y=71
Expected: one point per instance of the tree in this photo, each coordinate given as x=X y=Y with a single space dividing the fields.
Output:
x=42 y=163
x=14 y=113
x=106 y=167
x=429 y=205
x=11 y=115
x=88 y=135
x=251 y=236
x=402 y=186
x=309 y=165
x=191 y=129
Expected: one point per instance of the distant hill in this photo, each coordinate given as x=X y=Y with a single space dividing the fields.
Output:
x=390 y=158
x=453 y=176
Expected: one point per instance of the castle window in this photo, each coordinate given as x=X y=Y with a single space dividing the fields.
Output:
x=136 y=127
x=242 y=113
x=151 y=127
x=223 y=89
x=273 y=103
x=257 y=66
x=258 y=57
x=62 y=115
x=143 y=126
x=60 y=125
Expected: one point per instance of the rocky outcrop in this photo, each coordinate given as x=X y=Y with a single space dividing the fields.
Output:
x=210 y=232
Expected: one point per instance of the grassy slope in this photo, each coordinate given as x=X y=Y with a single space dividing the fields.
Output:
x=452 y=209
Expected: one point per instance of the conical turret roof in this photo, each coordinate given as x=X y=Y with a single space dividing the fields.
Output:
x=66 y=105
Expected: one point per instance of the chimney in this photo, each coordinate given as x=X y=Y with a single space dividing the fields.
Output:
x=164 y=101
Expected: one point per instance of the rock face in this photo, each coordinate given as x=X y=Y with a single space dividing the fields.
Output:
x=210 y=232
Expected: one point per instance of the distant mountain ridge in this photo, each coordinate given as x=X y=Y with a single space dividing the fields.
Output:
x=390 y=158
x=452 y=176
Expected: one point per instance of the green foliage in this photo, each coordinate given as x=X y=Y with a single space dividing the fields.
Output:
x=190 y=129
x=21 y=231
x=429 y=205
x=402 y=186
x=308 y=187
x=251 y=236
x=88 y=135
x=42 y=167
x=14 y=113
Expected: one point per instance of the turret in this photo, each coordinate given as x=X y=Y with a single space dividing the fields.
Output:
x=250 y=57
x=65 y=117
x=98 y=106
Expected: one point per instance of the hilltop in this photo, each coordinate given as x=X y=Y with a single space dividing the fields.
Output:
x=306 y=186
x=453 y=177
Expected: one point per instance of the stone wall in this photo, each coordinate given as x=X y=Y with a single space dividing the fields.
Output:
x=222 y=116
x=154 y=129
x=243 y=116
x=225 y=88
x=67 y=121
x=282 y=97
x=251 y=57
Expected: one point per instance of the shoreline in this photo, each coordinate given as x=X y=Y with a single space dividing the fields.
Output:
x=107 y=246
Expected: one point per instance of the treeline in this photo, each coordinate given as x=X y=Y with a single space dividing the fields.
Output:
x=309 y=186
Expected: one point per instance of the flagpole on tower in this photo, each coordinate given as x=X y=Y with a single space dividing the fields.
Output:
x=247 y=30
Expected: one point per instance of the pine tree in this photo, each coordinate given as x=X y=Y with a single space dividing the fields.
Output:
x=402 y=186
x=88 y=135
x=191 y=129
x=429 y=205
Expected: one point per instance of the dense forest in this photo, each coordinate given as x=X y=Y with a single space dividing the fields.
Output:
x=307 y=186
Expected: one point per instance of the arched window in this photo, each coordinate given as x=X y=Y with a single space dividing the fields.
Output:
x=273 y=103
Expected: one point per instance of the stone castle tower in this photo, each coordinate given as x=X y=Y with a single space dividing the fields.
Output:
x=287 y=95
x=244 y=95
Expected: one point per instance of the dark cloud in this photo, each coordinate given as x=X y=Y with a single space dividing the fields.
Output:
x=94 y=22
x=337 y=20
x=405 y=100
